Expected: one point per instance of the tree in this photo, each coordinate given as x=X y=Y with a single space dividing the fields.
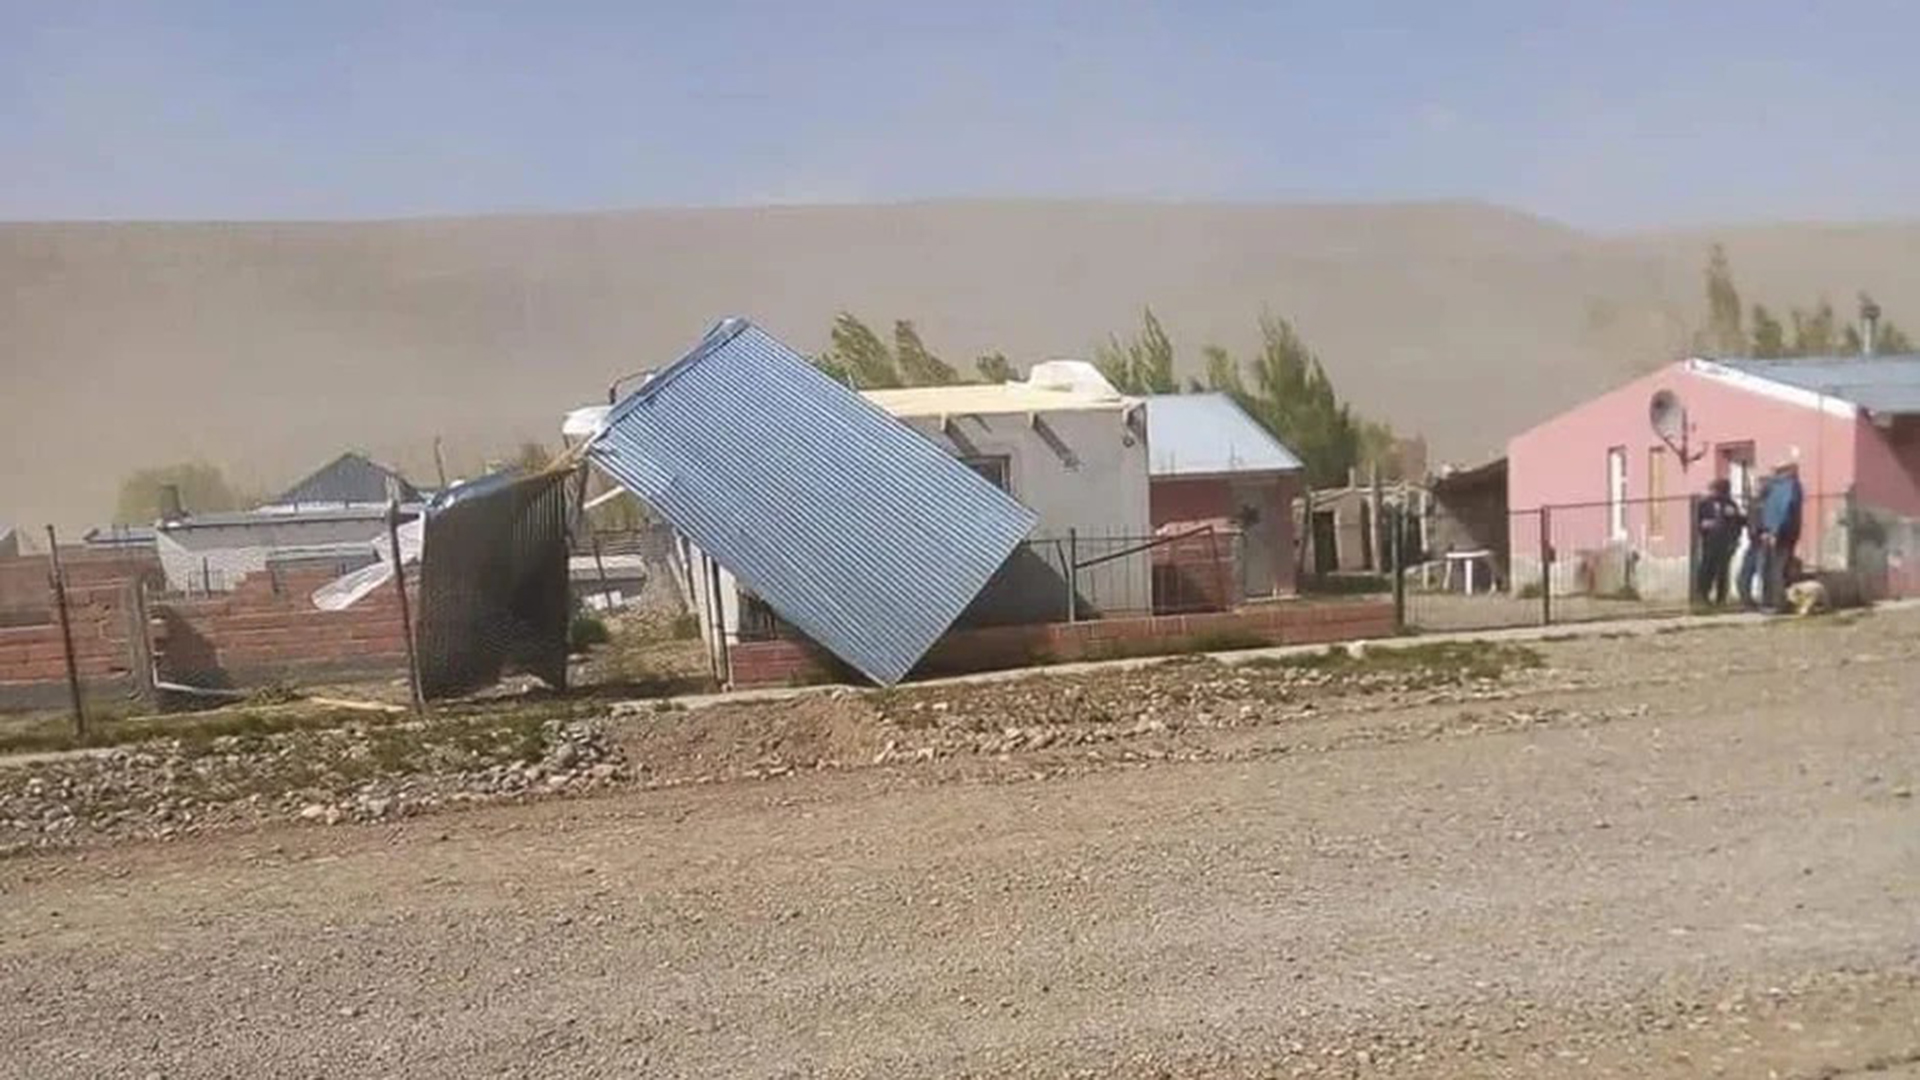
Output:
x=531 y=458
x=996 y=368
x=1769 y=336
x=917 y=365
x=1813 y=331
x=203 y=488
x=1143 y=365
x=857 y=355
x=1724 y=336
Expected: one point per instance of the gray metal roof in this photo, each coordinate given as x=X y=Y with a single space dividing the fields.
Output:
x=1889 y=385
x=1208 y=434
x=854 y=528
x=349 y=478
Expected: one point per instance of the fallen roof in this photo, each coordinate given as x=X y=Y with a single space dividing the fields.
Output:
x=855 y=529
x=1888 y=385
x=1208 y=434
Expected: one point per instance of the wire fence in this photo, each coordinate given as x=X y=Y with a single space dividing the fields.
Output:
x=1642 y=558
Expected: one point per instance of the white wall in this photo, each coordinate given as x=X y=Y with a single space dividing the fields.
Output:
x=234 y=551
x=1101 y=494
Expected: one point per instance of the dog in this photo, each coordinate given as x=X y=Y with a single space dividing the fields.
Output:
x=1808 y=597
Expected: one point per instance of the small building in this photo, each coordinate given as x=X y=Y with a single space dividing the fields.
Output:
x=349 y=480
x=210 y=553
x=1612 y=478
x=119 y=538
x=1068 y=446
x=1467 y=514
x=1338 y=530
x=1213 y=465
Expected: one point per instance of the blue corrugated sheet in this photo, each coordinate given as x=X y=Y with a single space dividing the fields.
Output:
x=854 y=528
x=1889 y=385
x=1207 y=435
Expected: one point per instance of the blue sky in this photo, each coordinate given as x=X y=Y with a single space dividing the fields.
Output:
x=1605 y=115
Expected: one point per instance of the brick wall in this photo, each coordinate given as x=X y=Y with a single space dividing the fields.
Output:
x=788 y=662
x=35 y=654
x=1197 y=573
x=26 y=587
x=268 y=630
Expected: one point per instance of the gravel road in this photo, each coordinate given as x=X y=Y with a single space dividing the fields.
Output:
x=1684 y=855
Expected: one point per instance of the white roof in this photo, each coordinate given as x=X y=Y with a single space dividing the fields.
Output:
x=1056 y=385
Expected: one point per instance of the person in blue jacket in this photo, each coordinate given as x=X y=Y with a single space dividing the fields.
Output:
x=1780 y=529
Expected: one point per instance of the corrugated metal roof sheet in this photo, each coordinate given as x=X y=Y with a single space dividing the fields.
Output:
x=864 y=535
x=1208 y=434
x=1889 y=385
x=988 y=400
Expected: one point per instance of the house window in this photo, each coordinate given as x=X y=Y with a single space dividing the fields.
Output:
x=1656 y=491
x=995 y=470
x=1617 y=493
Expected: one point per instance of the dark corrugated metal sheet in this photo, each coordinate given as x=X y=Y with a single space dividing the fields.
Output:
x=854 y=528
x=493 y=584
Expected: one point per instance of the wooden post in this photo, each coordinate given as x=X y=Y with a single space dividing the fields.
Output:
x=1305 y=547
x=406 y=608
x=66 y=634
x=140 y=643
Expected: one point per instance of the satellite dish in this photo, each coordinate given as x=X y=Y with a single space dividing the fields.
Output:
x=1668 y=418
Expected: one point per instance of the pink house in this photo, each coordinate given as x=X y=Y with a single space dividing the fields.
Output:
x=1611 y=479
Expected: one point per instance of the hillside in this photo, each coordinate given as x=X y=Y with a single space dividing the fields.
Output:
x=269 y=347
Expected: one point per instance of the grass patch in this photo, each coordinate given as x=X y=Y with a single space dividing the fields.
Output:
x=56 y=733
x=586 y=631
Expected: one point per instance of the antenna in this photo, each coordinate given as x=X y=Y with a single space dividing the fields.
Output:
x=1668 y=418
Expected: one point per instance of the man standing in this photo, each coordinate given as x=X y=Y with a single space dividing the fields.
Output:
x=1780 y=528
x=1719 y=522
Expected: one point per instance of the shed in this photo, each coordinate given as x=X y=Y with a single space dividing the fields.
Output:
x=1211 y=462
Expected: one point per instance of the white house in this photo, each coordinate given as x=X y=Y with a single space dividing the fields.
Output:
x=1065 y=444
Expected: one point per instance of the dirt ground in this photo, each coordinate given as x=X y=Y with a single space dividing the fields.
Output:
x=1691 y=854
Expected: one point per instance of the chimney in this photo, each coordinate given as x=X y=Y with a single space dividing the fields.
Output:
x=170 y=508
x=1869 y=323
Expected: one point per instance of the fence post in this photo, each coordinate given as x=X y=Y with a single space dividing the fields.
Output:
x=1073 y=575
x=140 y=643
x=1546 y=566
x=66 y=633
x=1696 y=588
x=1396 y=548
x=406 y=610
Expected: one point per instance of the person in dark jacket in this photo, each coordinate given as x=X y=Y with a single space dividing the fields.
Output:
x=1780 y=529
x=1719 y=521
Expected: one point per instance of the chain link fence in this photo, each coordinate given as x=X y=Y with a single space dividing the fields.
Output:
x=1644 y=558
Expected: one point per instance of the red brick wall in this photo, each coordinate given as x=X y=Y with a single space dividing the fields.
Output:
x=35 y=654
x=785 y=663
x=257 y=632
x=25 y=580
x=1197 y=573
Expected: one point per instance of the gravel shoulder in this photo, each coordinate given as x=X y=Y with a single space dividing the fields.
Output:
x=1684 y=855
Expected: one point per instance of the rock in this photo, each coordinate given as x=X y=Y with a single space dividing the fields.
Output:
x=313 y=811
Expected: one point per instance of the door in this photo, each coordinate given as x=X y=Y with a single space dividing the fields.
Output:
x=1617 y=493
x=1326 y=542
x=1259 y=539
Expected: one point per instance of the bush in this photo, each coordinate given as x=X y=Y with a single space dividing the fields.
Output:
x=586 y=632
x=686 y=627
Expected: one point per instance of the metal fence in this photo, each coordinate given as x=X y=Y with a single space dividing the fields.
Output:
x=1637 y=558
x=1080 y=577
